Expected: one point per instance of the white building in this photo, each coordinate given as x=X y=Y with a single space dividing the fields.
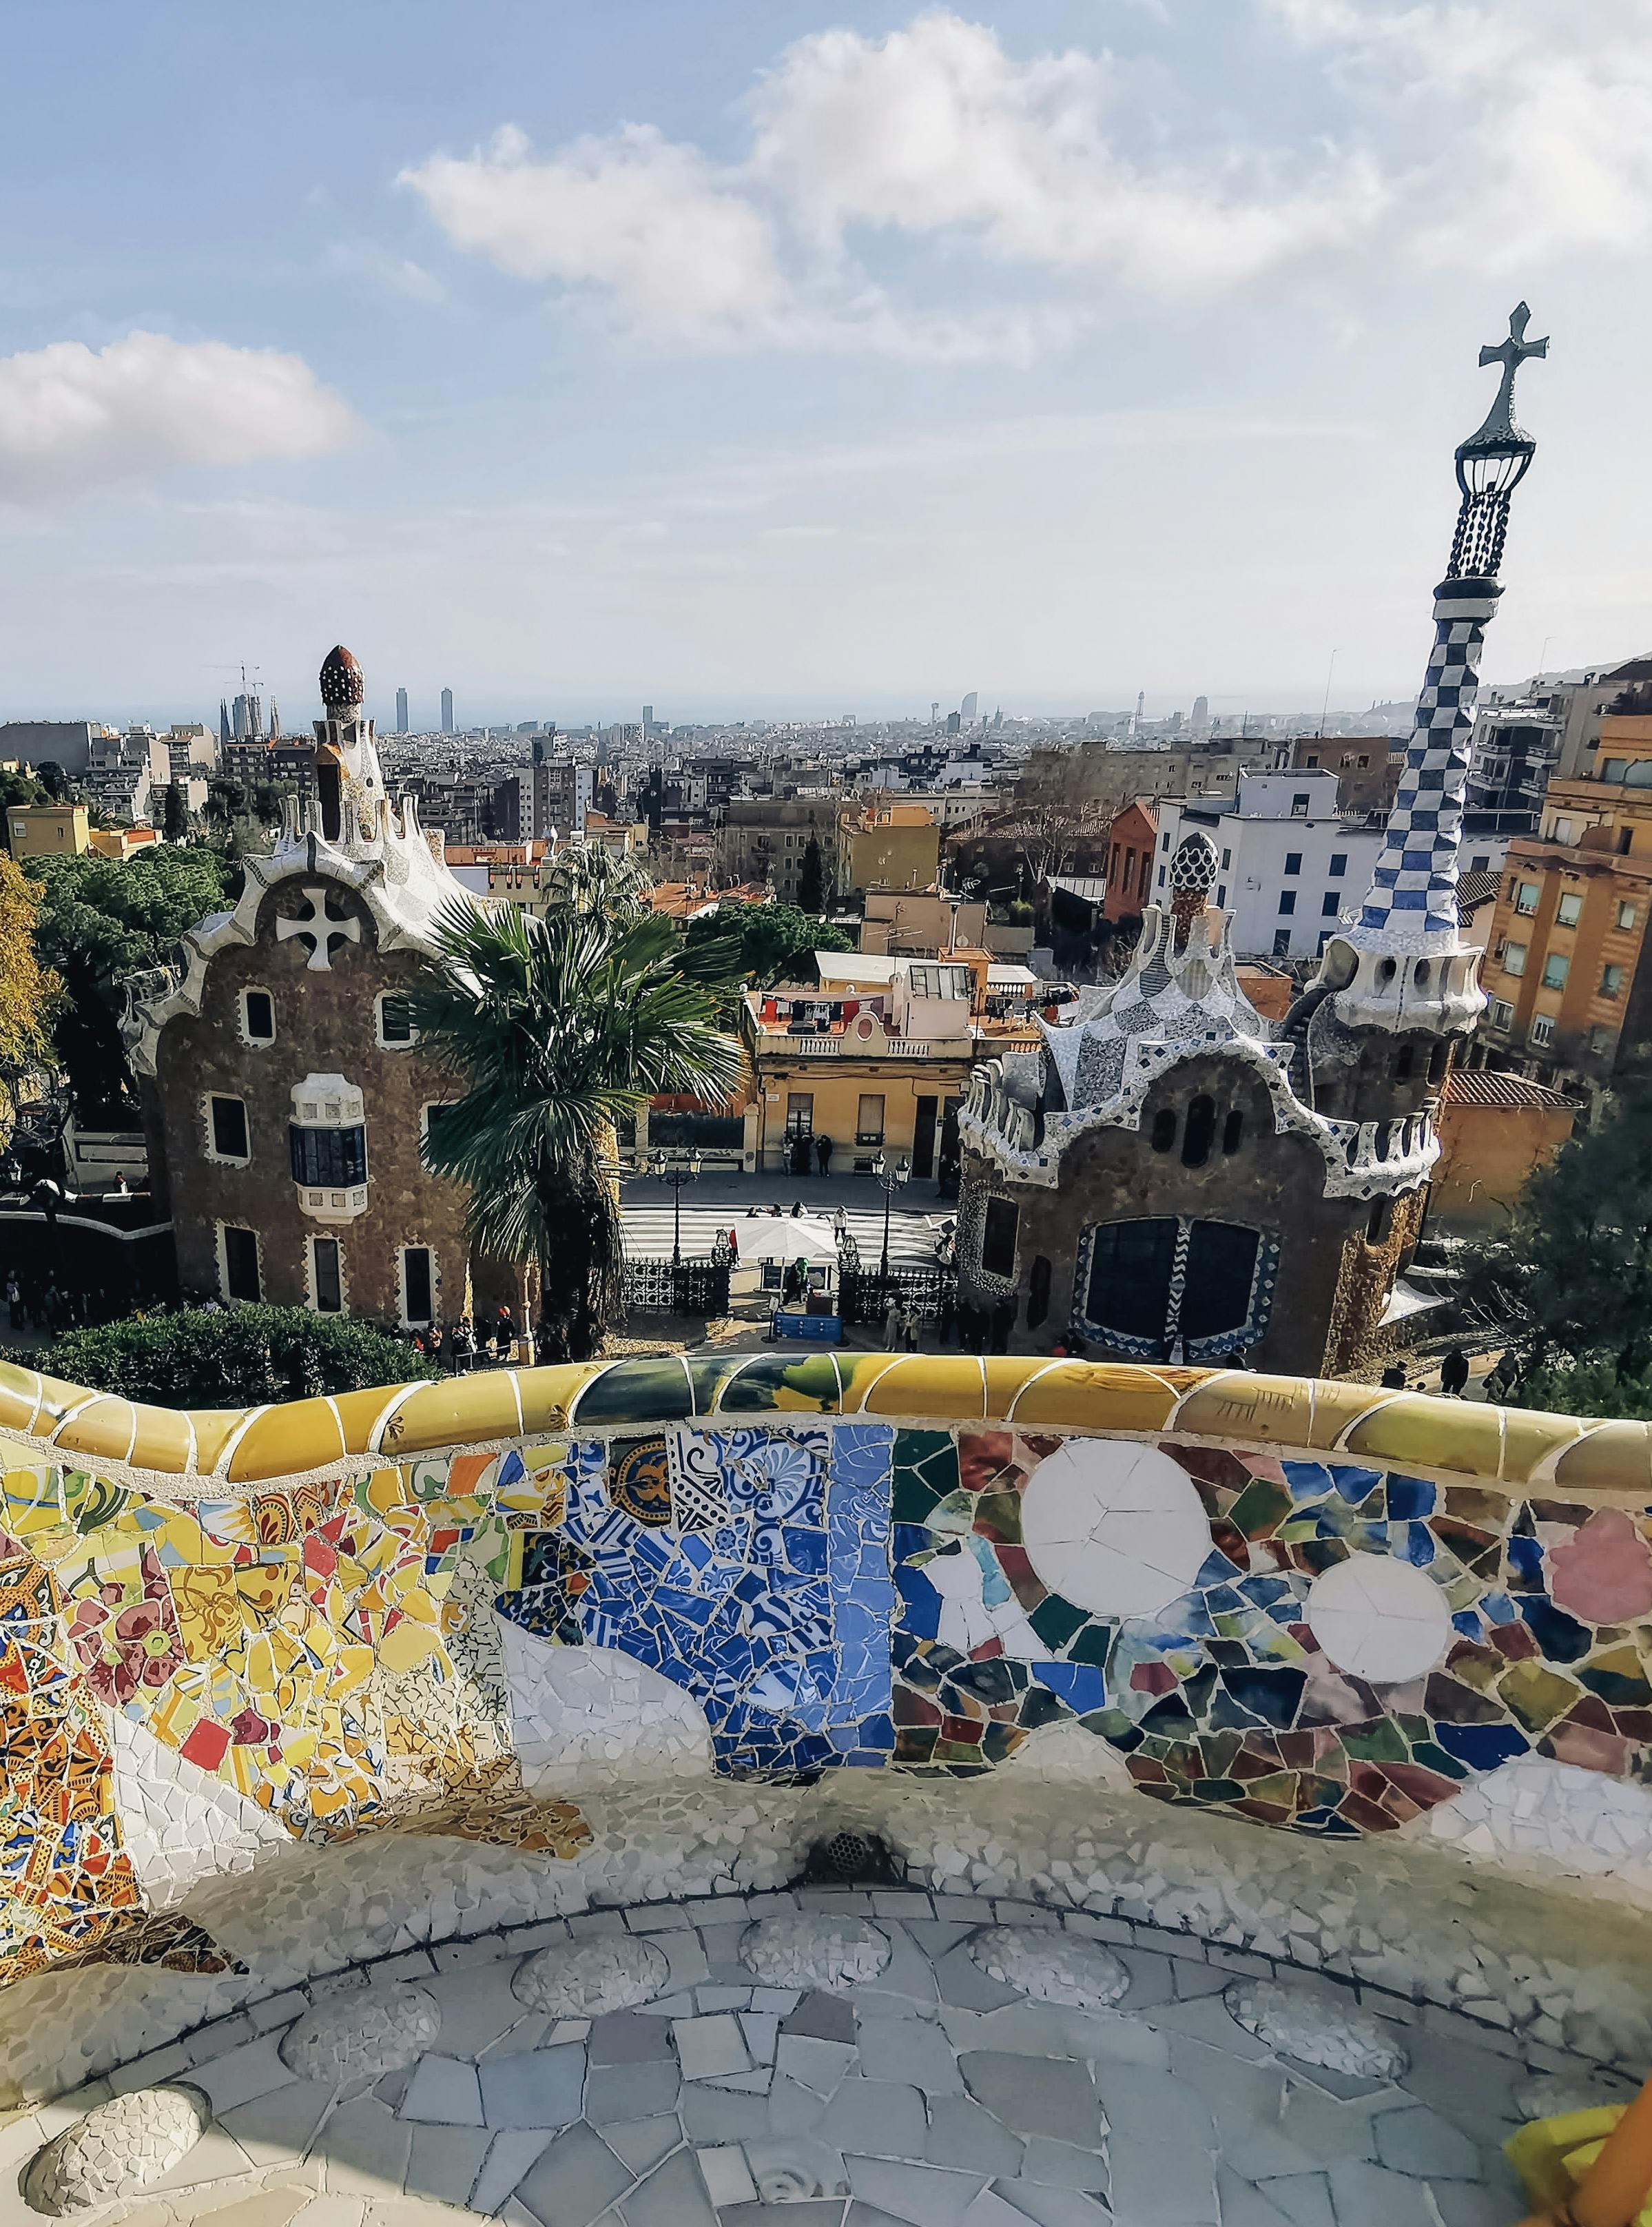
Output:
x=1289 y=865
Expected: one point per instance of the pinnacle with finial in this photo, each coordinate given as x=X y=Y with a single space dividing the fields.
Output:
x=1500 y=426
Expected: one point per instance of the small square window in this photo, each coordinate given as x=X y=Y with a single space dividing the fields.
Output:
x=1626 y=915
x=1569 y=912
x=1287 y=902
x=1338 y=866
x=1556 y=967
x=1542 y=1031
x=1222 y=893
x=1502 y=1013
x=1227 y=860
x=1331 y=902
x=1281 y=943
x=229 y=1136
x=1526 y=899
x=1293 y=862
x=1611 y=981
x=1514 y=957
x=395 y=1022
x=258 y=1017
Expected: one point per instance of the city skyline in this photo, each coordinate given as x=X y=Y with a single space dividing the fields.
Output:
x=1101 y=352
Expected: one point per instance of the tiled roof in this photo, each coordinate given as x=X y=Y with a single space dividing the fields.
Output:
x=1484 y=1086
x=1475 y=890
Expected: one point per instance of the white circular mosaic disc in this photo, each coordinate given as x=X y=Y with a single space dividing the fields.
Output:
x=354 y=2038
x=1117 y=1529
x=1050 y=1965
x=1379 y=1619
x=118 y=2149
x=813 y=1949
x=586 y=1979
x=1317 y=2025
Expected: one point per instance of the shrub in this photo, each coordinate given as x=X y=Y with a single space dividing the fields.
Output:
x=250 y=1353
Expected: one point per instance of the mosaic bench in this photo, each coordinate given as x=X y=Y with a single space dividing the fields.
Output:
x=464 y=1609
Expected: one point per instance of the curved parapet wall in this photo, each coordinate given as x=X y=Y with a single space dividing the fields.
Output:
x=463 y=1609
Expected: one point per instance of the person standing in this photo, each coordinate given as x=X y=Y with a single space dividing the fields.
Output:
x=14 y=1300
x=823 y=1154
x=1454 y=1373
x=504 y=1334
x=892 y=1325
x=461 y=1347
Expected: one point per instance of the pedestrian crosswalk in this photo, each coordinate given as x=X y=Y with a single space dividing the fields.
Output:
x=648 y=1232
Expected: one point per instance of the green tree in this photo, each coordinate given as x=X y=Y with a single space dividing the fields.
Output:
x=28 y=991
x=99 y=921
x=250 y=1353
x=53 y=781
x=175 y=818
x=767 y=943
x=811 y=880
x=557 y=1027
x=1573 y=1274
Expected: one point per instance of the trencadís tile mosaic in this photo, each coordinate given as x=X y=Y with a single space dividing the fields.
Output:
x=1321 y=1646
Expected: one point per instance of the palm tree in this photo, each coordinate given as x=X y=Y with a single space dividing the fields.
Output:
x=559 y=1026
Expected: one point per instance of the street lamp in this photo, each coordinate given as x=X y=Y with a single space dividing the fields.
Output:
x=888 y=1180
x=676 y=1173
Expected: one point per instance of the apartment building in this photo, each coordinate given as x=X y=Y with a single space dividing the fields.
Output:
x=889 y=846
x=877 y=1057
x=1568 y=987
x=766 y=839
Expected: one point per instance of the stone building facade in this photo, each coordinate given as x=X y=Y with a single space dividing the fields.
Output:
x=284 y=1094
x=1172 y=1177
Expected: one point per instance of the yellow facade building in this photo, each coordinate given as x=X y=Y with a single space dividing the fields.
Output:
x=47 y=831
x=889 y=846
x=876 y=1059
x=1569 y=1000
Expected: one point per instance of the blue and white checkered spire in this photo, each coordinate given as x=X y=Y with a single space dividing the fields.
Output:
x=1412 y=904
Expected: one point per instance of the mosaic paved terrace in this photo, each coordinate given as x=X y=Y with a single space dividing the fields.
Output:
x=1351 y=1681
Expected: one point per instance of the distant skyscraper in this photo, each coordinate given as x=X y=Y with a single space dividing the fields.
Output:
x=223 y=719
x=248 y=718
x=447 y=711
x=401 y=710
x=970 y=709
x=647 y=718
x=1200 y=712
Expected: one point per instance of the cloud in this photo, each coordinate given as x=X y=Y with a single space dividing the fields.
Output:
x=686 y=253
x=1525 y=130
x=73 y=419
x=648 y=220
x=935 y=128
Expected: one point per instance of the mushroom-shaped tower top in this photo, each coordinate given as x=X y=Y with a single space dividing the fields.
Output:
x=343 y=683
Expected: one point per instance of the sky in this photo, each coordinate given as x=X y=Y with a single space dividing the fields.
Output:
x=780 y=358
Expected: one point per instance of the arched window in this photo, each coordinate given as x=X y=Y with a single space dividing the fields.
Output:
x=1439 y=1060
x=1384 y=1139
x=1232 y=1129
x=1201 y=1129
x=1163 y=1135
x=1405 y=1059
x=1379 y=1222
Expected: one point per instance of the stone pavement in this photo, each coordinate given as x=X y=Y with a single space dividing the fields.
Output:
x=830 y=2057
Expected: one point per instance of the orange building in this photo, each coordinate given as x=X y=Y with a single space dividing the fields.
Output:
x=1132 y=840
x=1568 y=987
x=1494 y=1132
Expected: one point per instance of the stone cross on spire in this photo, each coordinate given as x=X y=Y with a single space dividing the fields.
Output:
x=1510 y=353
